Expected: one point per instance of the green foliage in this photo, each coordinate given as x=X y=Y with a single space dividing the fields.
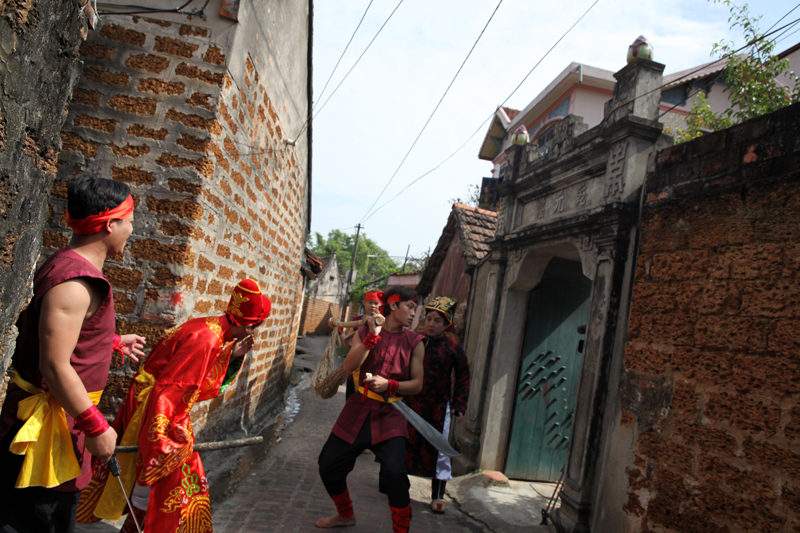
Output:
x=751 y=75
x=699 y=120
x=367 y=268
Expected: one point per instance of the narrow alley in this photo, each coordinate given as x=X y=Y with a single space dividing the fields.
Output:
x=284 y=492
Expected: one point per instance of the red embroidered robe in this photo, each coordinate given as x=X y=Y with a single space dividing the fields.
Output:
x=188 y=365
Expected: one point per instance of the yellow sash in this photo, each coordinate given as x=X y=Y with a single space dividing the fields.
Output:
x=44 y=439
x=371 y=394
x=111 y=504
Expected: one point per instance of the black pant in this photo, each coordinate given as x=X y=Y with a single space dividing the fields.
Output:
x=35 y=509
x=338 y=459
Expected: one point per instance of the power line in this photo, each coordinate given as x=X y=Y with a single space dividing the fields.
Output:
x=434 y=109
x=487 y=118
x=752 y=42
x=672 y=82
x=784 y=31
x=783 y=17
x=305 y=125
x=342 y=56
x=787 y=36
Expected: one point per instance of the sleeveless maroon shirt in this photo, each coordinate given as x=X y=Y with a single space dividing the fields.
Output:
x=390 y=358
x=91 y=358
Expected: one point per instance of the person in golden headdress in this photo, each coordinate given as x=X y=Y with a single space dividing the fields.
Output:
x=165 y=478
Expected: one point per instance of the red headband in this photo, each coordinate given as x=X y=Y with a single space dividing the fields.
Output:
x=374 y=296
x=393 y=298
x=95 y=223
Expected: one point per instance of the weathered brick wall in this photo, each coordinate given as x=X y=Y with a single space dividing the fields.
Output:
x=38 y=68
x=196 y=127
x=712 y=365
x=316 y=314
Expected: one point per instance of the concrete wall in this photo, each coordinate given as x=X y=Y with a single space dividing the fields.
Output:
x=708 y=422
x=38 y=68
x=194 y=118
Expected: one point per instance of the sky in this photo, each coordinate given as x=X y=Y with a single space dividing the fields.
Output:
x=364 y=131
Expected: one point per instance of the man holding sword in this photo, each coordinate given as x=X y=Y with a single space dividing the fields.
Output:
x=386 y=364
x=165 y=479
x=50 y=425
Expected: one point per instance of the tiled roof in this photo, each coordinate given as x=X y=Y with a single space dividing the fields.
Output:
x=476 y=228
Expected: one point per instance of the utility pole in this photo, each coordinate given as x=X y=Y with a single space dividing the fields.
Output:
x=403 y=270
x=350 y=274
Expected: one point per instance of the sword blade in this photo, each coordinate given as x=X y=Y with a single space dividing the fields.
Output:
x=115 y=470
x=130 y=507
x=426 y=430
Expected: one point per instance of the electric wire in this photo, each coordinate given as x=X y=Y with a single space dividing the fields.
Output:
x=752 y=42
x=434 y=110
x=787 y=36
x=308 y=121
x=342 y=56
x=486 y=119
x=672 y=82
x=781 y=35
x=783 y=17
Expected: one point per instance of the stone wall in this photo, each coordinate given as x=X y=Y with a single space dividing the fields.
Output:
x=38 y=68
x=712 y=366
x=195 y=118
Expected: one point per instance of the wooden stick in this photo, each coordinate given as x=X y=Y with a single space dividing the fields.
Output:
x=358 y=323
x=205 y=446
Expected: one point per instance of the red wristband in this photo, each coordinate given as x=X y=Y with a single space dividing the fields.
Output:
x=391 y=388
x=118 y=345
x=91 y=422
x=370 y=342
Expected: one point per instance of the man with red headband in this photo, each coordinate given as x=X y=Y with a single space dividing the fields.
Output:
x=50 y=425
x=372 y=307
x=165 y=478
x=386 y=364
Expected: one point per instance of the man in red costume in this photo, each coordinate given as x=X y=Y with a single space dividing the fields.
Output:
x=388 y=362
x=165 y=478
x=50 y=425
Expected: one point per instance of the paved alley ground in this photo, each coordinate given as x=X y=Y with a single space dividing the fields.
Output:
x=277 y=488
x=284 y=492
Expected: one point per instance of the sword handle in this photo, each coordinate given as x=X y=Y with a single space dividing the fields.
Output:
x=113 y=466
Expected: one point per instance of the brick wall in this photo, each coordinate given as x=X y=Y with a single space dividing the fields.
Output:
x=193 y=122
x=316 y=314
x=712 y=364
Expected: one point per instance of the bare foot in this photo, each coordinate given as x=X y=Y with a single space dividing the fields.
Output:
x=336 y=521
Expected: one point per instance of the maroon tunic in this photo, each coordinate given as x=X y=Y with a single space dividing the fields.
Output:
x=91 y=358
x=390 y=358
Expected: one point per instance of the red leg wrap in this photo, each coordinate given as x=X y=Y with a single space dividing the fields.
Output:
x=344 y=505
x=401 y=519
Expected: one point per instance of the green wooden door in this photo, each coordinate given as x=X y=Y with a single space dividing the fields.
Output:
x=548 y=378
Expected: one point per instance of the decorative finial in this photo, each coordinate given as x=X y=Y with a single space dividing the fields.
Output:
x=520 y=136
x=641 y=47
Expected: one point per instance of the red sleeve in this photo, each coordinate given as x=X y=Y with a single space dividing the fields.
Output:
x=166 y=437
